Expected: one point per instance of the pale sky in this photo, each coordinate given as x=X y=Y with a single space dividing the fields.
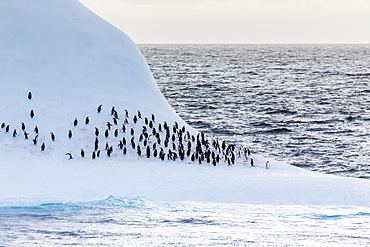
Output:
x=238 y=21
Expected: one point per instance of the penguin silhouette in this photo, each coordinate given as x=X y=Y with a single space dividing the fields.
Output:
x=87 y=120
x=70 y=134
x=32 y=114
x=23 y=126
x=75 y=122
x=139 y=114
x=14 y=133
x=112 y=110
x=106 y=133
x=147 y=152
x=267 y=165
x=36 y=129
x=3 y=125
x=43 y=146
x=109 y=125
x=69 y=156
x=93 y=155
x=96 y=131
x=29 y=95
x=25 y=135
x=52 y=136
x=7 y=129
x=35 y=140
x=99 y=108
x=82 y=153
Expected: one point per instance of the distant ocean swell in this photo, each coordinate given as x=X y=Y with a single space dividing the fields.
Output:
x=308 y=105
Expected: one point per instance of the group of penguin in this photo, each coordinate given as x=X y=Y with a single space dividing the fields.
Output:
x=124 y=135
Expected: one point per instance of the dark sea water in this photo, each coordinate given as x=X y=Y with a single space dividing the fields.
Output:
x=308 y=105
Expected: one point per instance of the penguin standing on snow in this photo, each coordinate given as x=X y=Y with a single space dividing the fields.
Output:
x=75 y=122
x=99 y=108
x=52 y=136
x=69 y=156
x=29 y=95
x=70 y=134
x=32 y=114
x=82 y=153
x=267 y=165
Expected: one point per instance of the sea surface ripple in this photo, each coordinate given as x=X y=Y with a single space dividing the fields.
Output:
x=308 y=105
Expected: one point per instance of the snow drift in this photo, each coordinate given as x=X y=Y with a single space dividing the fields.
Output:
x=72 y=61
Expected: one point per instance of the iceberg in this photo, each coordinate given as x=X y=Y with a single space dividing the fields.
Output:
x=61 y=61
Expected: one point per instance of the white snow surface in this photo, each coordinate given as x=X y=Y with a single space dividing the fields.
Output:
x=72 y=61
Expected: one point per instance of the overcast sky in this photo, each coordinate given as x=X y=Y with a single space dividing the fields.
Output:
x=238 y=21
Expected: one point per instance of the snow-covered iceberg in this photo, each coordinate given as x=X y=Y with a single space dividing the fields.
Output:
x=60 y=61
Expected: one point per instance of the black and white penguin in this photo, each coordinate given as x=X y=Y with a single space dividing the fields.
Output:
x=109 y=125
x=139 y=114
x=98 y=153
x=7 y=129
x=112 y=110
x=96 y=131
x=75 y=122
x=43 y=146
x=126 y=113
x=116 y=133
x=25 y=135
x=29 y=95
x=14 y=133
x=3 y=125
x=87 y=120
x=267 y=165
x=70 y=134
x=82 y=153
x=23 y=126
x=106 y=133
x=36 y=129
x=148 y=152
x=99 y=108
x=138 y=150
x=153 y=118
x=35 y=140
x=69 y=156
x=132 y=131
x=52 y=136
x=93 y=155
x=252 y=162
x=32 y=113
x=115 y=121
x=124 y=151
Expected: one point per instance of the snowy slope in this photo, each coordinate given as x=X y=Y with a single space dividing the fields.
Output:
x=73 y=61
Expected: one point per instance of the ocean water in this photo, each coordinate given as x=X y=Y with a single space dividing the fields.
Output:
x=308 y=105
x=142 y=222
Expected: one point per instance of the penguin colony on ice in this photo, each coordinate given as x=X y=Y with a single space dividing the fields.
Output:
x=138 y=134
